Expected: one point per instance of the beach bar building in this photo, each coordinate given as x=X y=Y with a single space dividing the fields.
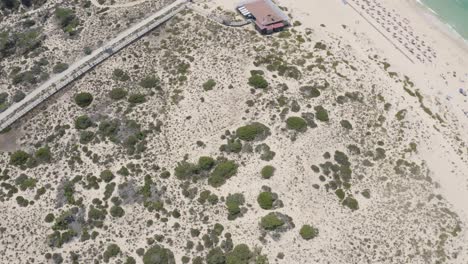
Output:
x=267 y=16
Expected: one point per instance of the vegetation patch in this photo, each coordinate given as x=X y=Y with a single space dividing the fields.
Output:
x=296 y=123
x=209 y=85
x=254 y=131
x=258 y=81
x=83 y=99
x=233 y=205
x=267 y=171
x=321 y=113
x=308 y=232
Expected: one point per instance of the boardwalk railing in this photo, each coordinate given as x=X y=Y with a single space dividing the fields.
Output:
x=78 y=68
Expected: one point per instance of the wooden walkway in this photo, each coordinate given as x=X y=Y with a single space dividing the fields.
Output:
x=78 y=68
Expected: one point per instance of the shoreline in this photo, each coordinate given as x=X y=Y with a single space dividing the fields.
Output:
x=436 y=20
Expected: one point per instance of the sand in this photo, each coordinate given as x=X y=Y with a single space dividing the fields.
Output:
x=417 y=191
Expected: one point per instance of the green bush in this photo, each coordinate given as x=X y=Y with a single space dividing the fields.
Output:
x=21 y=201
x=351 y=203
x=107 y=175
x=271 y=222
x=117 y=94
x=150 y=82
x=67 y=19
x=43 y=154
x=19 y=158
x=241 y=254
x=215 y=256
x=233 y=204
x=267 y=171
x=321 y=113
x=346 y=124
x=258 y=81
x=18 y=96
x=86 y=137
x=3 y=98
x=136 y=98
x=206 y=163
x=158 y=255
x=223 y=171
x=232 y=146
x=265 y=200
x=120 y=75
x=60 y=67
x=308 y=232
x=49 y=218
x=253 y=131
x=24 y=182
x=310 y=91
x=296 y=123
x=117 y=211
x=185 y=170
x=83 y=122
x=209 y=85
x=83 y=99
x=112 y=251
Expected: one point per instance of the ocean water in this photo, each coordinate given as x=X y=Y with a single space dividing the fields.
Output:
x=452 y=12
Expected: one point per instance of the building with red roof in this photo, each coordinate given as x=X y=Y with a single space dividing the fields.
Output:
x=267 y=16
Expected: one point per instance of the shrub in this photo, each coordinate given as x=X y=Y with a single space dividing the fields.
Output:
x=271 y=222
x=206 y=163
x=67 y=19
x=308 y=232
x=296 y=123
x=87 y=50
x=112 y=251
x=209 y=85
x=117 y=94
x=60 y=67
x=43 y=154
x=22 y=201
x=158 y=254
x=3 y=97
x=19 y=158
x=233 y=203
x=232 y=146
x=310 y=91
x=86 y=137
x=346 y=124
x=18 y=96
x=120 y=75
x=258 y=81
x=265 y=200
x=108 y=128
x=321 y=113
x=267 y=172
x=83 y=122
x=223 y=171
x=49 y=218
x=136 y=98
x=351 y=203
x=215 y=256
x=107 y=175
x=117 y=211
x=253 y=131
x=83 y=99
x=185 y=170
x=241 y=254
x=150 y=82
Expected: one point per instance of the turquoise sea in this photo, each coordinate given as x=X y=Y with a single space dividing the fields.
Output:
x=452 y=12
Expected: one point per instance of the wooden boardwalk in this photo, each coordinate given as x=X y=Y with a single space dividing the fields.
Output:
x=78 y=68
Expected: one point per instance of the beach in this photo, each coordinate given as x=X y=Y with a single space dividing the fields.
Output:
x=341 y=139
